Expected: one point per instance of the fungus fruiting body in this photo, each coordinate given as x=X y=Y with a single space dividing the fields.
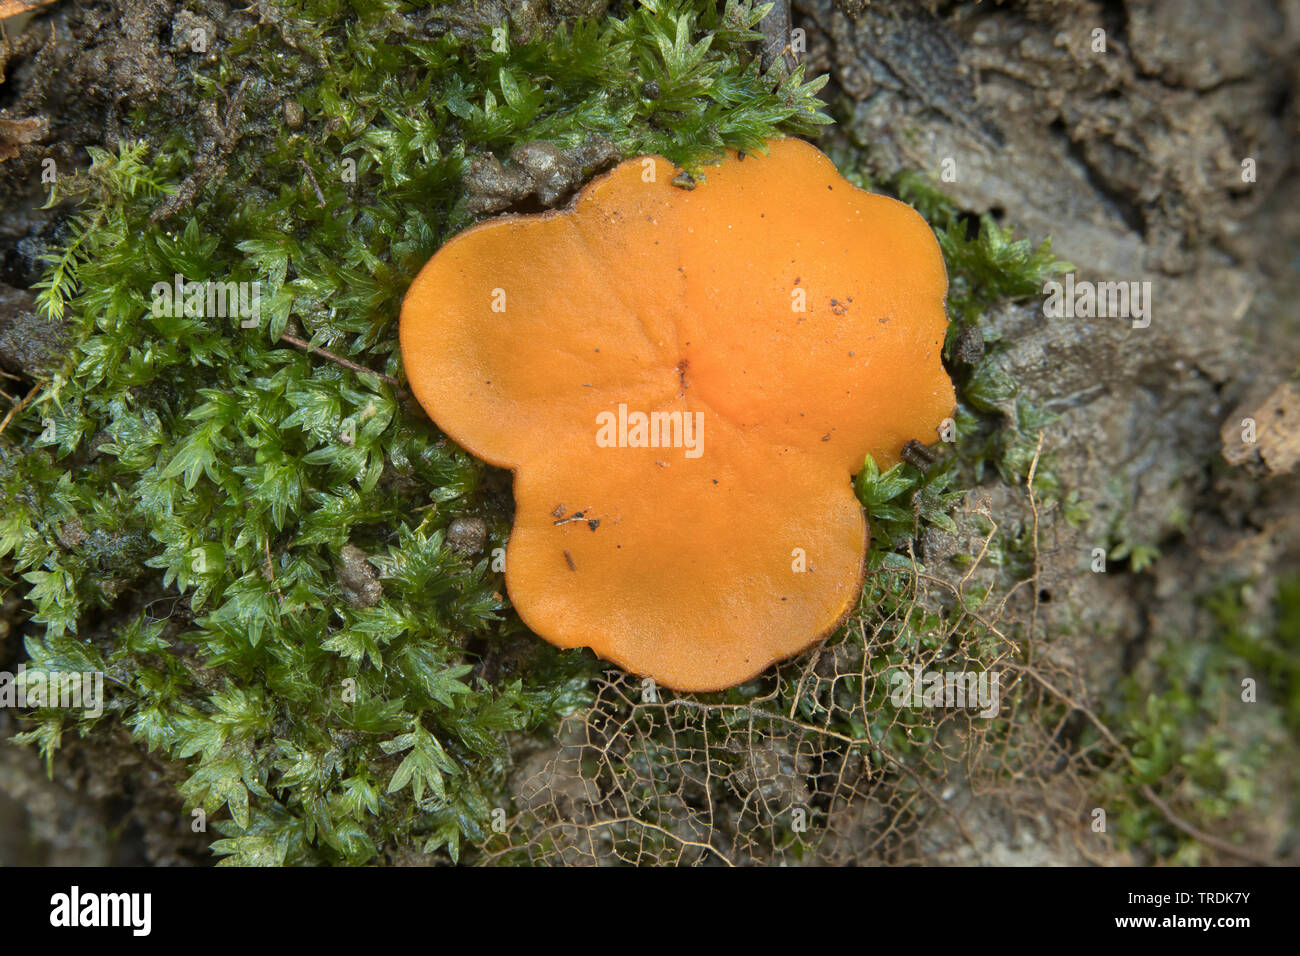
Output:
x=684 y=383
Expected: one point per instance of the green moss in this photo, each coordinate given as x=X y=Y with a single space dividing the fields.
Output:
x=1194 y=739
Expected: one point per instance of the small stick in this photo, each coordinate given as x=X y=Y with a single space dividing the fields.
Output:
x=20 y=406
x=270 y=569
x=1033 y=505
x=314 y=185
x=337 y=359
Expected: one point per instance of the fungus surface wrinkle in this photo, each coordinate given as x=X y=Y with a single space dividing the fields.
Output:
x=659 y=299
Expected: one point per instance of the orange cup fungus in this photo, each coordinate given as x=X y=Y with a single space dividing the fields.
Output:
x=684 y=383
